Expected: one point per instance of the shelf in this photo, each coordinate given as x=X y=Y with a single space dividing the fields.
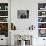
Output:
x=3 y=22
x=41 y=22
x=41 y=28
x=42 y=16
x=3 y=10
x=3 y=16
x=41 y=10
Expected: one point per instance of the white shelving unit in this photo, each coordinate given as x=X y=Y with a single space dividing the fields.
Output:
x=41 y=22
x=42 y=10
x=3 y=16
x=3 y=12
x=42 y=18
x=4 y=23
x=41 y=28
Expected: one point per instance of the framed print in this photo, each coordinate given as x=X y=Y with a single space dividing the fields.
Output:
x=23 y=14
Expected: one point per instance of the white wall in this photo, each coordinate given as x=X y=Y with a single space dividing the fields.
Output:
x=22 y=25
x=32 y=6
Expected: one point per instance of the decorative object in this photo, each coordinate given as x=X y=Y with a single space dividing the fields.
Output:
x=42 y=32
x=4 y=29
x=6 y=7
x=27 y=38
x=43 y=13
x=13 y=27
x=3 y=13
x=3 y=19
x=40 y=25
x=31 y=27
x=3 y=6
x=41 y=19
x=23 y=40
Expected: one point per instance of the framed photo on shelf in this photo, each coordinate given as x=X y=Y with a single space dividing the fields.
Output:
x=41 y=6
x=42 y=33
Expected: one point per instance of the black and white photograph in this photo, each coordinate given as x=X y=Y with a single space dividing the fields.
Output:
x=23 y=14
